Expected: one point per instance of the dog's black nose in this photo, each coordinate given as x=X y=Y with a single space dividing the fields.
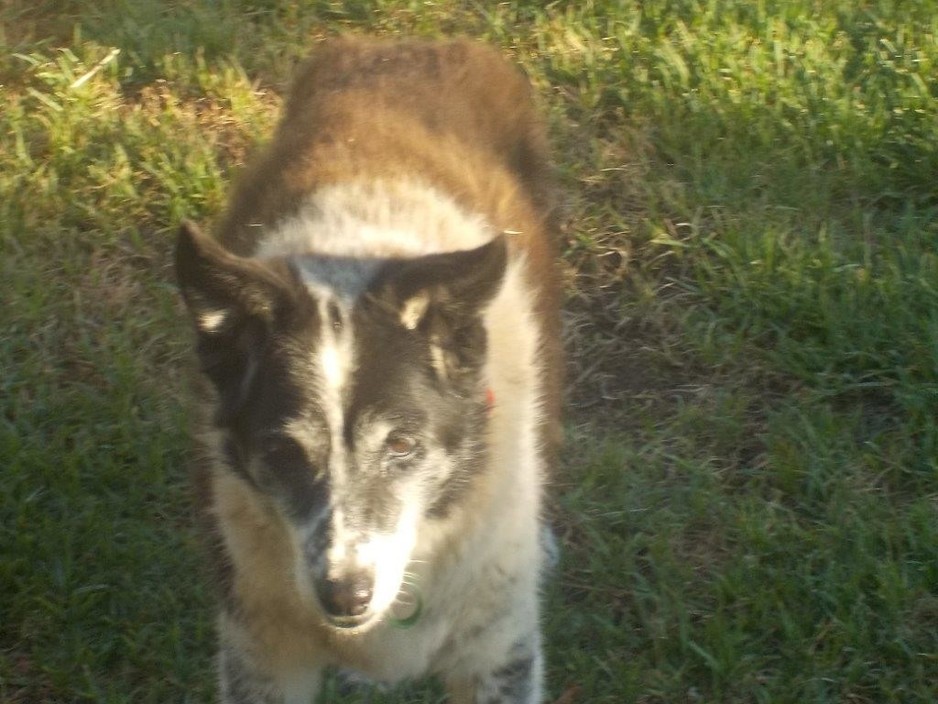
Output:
x=345 y=597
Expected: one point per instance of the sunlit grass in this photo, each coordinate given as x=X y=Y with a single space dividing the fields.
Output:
x=748 y=500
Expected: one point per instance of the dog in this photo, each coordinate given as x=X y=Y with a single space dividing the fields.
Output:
x=378 y=342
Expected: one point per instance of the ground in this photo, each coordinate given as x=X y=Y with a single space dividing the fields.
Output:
x=748 y=503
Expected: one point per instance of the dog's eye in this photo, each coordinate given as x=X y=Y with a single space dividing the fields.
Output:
x=400 y=446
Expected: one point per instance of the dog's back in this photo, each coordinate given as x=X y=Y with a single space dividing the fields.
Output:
x=379 y=332
x=454 y=113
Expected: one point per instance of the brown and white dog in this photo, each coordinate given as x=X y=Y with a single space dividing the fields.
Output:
x=378 y=331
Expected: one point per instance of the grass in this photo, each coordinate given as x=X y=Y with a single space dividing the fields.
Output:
x=749 y=502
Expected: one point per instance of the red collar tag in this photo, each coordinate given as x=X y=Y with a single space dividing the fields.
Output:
x=489 y=399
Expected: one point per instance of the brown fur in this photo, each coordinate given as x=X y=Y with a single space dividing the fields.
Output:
x=457 y=116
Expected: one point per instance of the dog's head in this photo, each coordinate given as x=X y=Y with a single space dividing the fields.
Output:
x=350 y=394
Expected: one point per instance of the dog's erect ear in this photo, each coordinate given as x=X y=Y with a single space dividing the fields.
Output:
x=443 y=296
x=233 y=302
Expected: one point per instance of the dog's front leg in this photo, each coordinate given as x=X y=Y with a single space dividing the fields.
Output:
x=517 y=681
x=242 y=680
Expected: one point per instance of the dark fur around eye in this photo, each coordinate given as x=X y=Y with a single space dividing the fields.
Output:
x=278 y=451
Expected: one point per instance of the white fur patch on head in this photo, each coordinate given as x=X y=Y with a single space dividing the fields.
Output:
x=335 y=364
x=335 y=358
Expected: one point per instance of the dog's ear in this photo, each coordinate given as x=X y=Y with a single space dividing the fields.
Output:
x=443 y=296
x=232 y=302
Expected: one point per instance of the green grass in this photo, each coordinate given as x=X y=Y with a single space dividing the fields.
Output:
x=749 y=500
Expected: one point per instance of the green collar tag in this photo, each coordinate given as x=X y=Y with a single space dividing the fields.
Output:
x=409 y=621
